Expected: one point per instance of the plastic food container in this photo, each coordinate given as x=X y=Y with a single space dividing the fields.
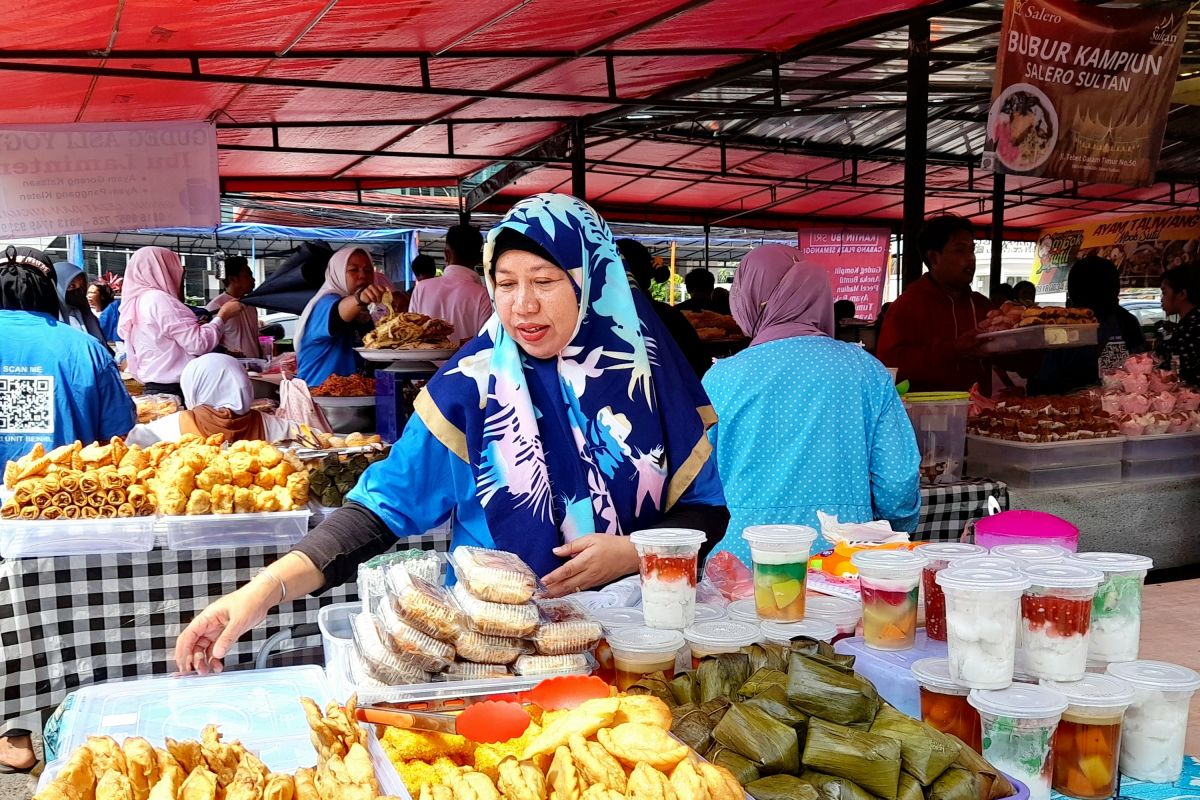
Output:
x=1044 y=455
x=1025 y=554
x=411 y=645
x=553 y=665
x=744 y=610
x=213 y=531
x=1089 y=736
x=708 y=612
x=372 y=574
x=1175 y=447
x=891 y=670
x=843 y=612
x=1018 y=725
x=1026 y=527
x=1164 y=469
x=944 y=701
x=638 y=652
x=1116 y=627
x=496 y=619
x=471 y=671
x=565 y=628
x=668 y=566
x=982 y=611
x=76 y=537
x=428 y=608
x=1038 y=337
x=1056 y=615
x=1155 y=726
x=494 y=575
x=990 y=561
x=722 y=636
x=889 y=581
x=377 y=659
x=783 y=632
x=484 y=649
x=939 y=420
x=614 y=619
x=780 y=555
x=938 y=556
x=348 y=414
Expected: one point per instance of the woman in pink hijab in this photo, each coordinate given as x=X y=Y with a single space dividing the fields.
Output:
x=162 y=334
x=807 y=424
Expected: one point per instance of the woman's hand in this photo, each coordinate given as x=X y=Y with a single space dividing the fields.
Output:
x=371 y=294
x=205 y=642
x=596 y=559
x=229 y=310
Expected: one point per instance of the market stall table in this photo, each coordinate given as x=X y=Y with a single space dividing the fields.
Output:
x=946 y=509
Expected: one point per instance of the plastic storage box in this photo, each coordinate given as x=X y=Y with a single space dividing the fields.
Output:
x=264 y=529
x=1038 y=337
x=1043 y=455
x=1168 y=445
x=1055 y=478
x=939 y=420
x=1161 y=469
x=71 y=537
x=891 y=670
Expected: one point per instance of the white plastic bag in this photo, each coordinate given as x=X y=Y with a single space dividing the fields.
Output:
x=296 y=405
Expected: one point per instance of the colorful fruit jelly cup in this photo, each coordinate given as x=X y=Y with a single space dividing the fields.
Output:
x=1088 y=741
x=982 y=612
x=939 y=556
x=1056 y=614
x=1116 y=627
x=668 y=566
x=780 y=555
x=638 y=652
x=1018 y=725
x=842 y=612
x=944 y=702
x=889 y=582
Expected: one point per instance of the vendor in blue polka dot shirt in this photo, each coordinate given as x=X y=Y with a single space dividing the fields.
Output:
x=806 y=423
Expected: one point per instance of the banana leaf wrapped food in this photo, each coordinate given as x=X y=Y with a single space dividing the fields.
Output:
x=910 y=788
x=956 y=783
x=871 y=761
x=993 y=784
x=774 y=702
x=685 y=689
x=692 y=727
x=767 y=656
x=742 y=768
x=758 y=736
x=722 y=675
x=654 y=686
x=715 y=709
x=781 y=787
x=831 y=787
x=822 y=690
x=760 y=681
x=925 y=752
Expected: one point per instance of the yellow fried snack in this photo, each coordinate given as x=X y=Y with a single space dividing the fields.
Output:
x=473 y=785
x=647 y=783
x=562 y=778
x=243 y=500
x=721 y=783
x=279 y=787
x=436 y=793
x=222 y=499
x=222 y=759
x=187 y=753
x=199 y=502
x=76 y=780
x=643 y=708
x=325 y=740
x=141 y=765
x=201 y=784
x=598 y=792
x=269 y=456
x=169 y=784
x=114 y=786
x=636 y=742
x=585 y=720
x=521 y=780
x=306 y=789
x=596 y=764
x=107 y=756
x=688 y=783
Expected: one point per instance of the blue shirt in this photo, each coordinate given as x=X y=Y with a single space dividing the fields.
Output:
x=109 y=318
x=57 y=384
x=322 y=352
x=421 y=482
x=810 y=424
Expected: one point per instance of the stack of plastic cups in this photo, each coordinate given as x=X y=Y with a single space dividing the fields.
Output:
x=1025 y=554
x=990 y=561
x=1089 y=736
x=721 y=636
x=668 y=558
x=780 y=555
x=613 y=619
x=939 y=556
x=982 y=610
x=743 y=611
x=1116 y=627
x=783 y=632
x=1018 y=725
x=1056 y=615
x=889 y=581
x=842 y=612
x=708 y=612
x=638 y=652
x=1155 y=727
x=944 y=701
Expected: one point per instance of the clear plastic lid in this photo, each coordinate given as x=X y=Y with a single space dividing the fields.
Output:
x=1063 y=576
x=616 y=618
x=722 y=635
x=949 y=552
x=707 y=612
x=838 y=610
x=1157 y=675
x=1094 y=692
x=784 y=632
x=667 y=537
x=745 y=610
x=990 y=561
x=645 y=640
x=1113 y=562
x=780 y=537
x=1031 y=553
x=578 y=663
x=934 y=673
x=888 y=563
x=494 y=575
x=994 y=580
x=1019 y=701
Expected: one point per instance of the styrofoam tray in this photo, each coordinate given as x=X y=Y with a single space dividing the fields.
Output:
x=391 y=356
x=72 y=537
x=1038 y=337
x=261 y=529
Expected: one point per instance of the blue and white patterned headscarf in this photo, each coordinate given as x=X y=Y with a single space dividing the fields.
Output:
x=605 y=437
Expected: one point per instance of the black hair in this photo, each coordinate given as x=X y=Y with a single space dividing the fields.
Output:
x=1094 y=283
x=467 y=244
x=234 y=267
x=106 y=294
x=700 y=281
x=1022 y=285
x=843 y=309
x=938 y=230
x=1185 y=278
x=423 y=266
x=26 y=283
x=638 y=262
x=1004 y=293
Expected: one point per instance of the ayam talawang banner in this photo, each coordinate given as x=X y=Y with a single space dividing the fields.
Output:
x=1081 y=92
x=856 y=260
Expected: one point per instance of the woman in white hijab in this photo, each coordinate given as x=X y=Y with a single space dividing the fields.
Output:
x=337 y=316
x=218 y=395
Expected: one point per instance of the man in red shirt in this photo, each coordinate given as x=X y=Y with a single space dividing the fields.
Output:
x=929 y=332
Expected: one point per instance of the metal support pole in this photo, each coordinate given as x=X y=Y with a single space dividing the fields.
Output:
x=578 y=162
x=995 y=278
x=707 y=231
x=915 y=145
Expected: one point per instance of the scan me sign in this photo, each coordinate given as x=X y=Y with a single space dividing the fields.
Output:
x=57 y=179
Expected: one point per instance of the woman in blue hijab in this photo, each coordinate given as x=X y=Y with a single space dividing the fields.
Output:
x=569 y=422
x=71 y=283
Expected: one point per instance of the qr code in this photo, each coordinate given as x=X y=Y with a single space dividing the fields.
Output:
x=26 y=404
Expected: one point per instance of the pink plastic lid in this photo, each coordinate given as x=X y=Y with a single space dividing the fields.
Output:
x=1032 y=524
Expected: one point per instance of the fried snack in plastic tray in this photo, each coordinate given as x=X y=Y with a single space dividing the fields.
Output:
x=566 y=627
x=470 y=671
x=553 y=665
x=428 y=608
x=377 y=659
x=372 y=578
x=496 y=619
x=411 y=645
x=494 y=575
x=484 y=649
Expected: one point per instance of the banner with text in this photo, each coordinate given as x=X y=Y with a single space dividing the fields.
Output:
x=856 y=260
x=1081 y=92
x=104 y=177
x=1142 y=246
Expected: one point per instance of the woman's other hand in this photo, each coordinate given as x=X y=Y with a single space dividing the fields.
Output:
x=230 y=310
x=595 y=560
x=204 y=644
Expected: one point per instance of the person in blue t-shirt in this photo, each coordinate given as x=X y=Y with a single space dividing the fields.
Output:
x=335 y=319
x=57 y=384
x=107 y=308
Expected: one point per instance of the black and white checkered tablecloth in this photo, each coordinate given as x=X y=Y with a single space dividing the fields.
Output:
x=946 y=510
